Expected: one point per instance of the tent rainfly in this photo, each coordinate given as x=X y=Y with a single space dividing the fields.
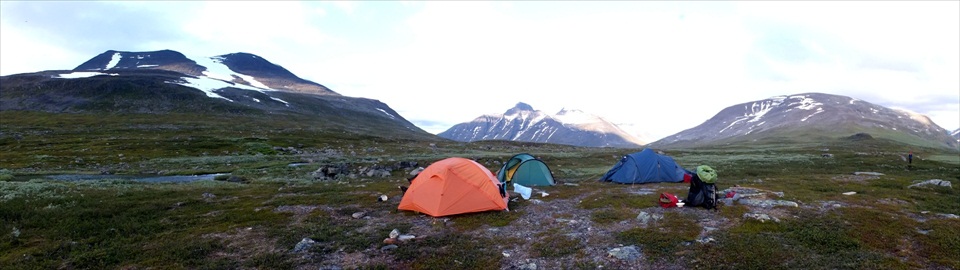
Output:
x=454 y=186
x=646 y=167
x=526 y=170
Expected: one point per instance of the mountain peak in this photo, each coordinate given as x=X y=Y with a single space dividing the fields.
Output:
x=523 y=106
x=523 y=123
x=520 y=107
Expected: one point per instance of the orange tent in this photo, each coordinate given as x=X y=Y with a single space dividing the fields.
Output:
x=454 y=186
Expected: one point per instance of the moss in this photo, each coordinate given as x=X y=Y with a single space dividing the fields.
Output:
x=664 y=238
x=611 y=215
x=450 y=250
x=554 y=244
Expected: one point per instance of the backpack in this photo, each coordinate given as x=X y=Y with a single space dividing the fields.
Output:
x=703 y=193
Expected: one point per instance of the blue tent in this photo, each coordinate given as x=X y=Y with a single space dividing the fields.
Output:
x=645 y=167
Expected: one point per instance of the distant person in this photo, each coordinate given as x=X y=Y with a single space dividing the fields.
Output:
x=910 y=158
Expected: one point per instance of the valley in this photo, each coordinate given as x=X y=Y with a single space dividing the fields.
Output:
x=271 y=215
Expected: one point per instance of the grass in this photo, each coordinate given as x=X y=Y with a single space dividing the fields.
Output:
x=125 y=224
x=665 y=238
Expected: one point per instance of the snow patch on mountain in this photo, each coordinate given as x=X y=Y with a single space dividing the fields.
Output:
x=113 y=61
x=388 y=114
x=217 y=70
x=81 y=74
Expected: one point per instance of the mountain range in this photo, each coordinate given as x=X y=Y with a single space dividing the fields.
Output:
x=166 y=81
x=523 y=123
x=810 y=117
x=247 y=86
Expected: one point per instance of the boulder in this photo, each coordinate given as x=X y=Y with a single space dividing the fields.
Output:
x=931 y=183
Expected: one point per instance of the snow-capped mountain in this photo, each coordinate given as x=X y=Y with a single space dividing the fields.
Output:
x=164 y=82
x=523 y=123
x=207 y=73
x=956 y=134
x=812 y=115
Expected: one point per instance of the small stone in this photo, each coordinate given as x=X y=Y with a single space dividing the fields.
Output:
x=394 y=233
x=505 y=254
x=358 y=214
x=760 y=217
x=383 y=198
x=627 y=253
x=405 y=237
x=208 y=195
x=304 y=245
x=389 y=247
x=529 y=266
x=850 y=193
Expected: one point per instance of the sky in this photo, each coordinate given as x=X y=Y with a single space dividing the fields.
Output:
x=655 y=68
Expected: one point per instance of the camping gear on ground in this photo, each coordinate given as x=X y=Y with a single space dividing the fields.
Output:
x=454 y=186
x=646 y=167
x=702 y=193
x=668 y=200
x=524 y=191
x=526 y=170
x=706 y=174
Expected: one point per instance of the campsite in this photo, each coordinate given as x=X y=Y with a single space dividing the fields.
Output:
x=328 y=212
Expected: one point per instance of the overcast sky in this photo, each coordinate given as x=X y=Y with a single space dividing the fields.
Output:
x=656 y=68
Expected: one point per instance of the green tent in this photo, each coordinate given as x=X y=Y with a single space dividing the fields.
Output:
x=526 y=170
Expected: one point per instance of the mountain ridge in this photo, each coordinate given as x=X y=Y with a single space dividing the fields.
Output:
x=822 y=115
x=523 y=123
x=167 y=81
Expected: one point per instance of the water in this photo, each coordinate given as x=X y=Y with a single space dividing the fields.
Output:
x=138 y=178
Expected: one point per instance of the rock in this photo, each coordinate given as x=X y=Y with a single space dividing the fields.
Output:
x=505 y=254
x=931 y=182
x=208 y=195
x=627 y=253
x=304 y=245
x=382 y=198
x=416 y=171
x=645 y=218
x=826 y=155
x=949 y=216
x=868 y=173
x=359 y=214
x=850 y=193
x=544 y=194
x=706 y=240
x=405 y=237
x=571 y=184
x=767 y=203
x=394 y=233
x=760 y=217
x=529 y=266
x=389 y=247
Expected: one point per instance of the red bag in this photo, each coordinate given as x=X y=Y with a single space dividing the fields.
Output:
x=668 y=200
